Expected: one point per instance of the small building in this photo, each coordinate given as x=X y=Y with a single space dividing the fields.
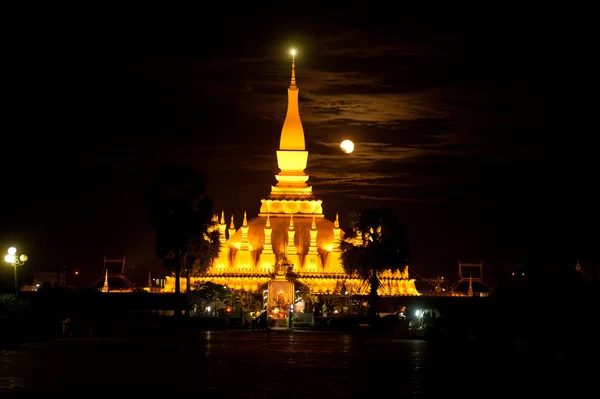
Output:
x=470 y=281
x=113 y=277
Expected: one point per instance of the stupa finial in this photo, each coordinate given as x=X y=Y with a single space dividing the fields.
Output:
x=313 y=226
x=245 y=223
x=222 y=217
x=293 y=82
x=291 y=221
x=470 y=292
x=232 y=225
x=268 y=225
x=105 y=287
x=336 y=224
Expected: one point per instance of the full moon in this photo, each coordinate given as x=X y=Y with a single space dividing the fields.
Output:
x=347 y=146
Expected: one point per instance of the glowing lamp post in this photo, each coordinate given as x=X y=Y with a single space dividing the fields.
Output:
x=13 y=260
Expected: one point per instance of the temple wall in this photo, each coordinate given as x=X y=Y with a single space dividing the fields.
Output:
x=250 y=283
x=317 y=283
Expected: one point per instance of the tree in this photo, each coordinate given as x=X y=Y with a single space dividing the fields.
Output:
x=181 y=214
x=206 y=293
x=243 y=300
x=201 y=252
x=375 y=242
x=310 y=299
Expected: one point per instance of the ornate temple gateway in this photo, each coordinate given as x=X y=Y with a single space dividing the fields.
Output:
x=290 y=242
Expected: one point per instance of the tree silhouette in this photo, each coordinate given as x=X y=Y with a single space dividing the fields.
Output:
x=375 y=242
x=181 y=214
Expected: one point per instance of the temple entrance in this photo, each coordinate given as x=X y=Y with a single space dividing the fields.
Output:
x=280 y=297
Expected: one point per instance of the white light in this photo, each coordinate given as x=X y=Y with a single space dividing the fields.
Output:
x=12 y=250
x=347 y=146
x=418 y=313
x=293 y=52
x=208 y=308
x=9 y=258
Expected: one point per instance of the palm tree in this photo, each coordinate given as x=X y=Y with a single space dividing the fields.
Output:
x=181 y=214
x=375 y=242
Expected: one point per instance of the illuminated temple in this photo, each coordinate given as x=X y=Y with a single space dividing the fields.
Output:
x=290 y=241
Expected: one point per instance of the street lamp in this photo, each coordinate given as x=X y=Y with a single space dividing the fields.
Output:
x=13 y=260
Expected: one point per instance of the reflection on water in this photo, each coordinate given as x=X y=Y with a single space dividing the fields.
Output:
x=347 y=344
x=246 y=364
x=208 y=337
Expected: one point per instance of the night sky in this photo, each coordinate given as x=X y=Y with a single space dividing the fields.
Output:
x=457 y=122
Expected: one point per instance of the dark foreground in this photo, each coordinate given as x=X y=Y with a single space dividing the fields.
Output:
x=280 y=364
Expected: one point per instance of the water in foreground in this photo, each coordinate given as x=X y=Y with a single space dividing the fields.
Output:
x=259 y=365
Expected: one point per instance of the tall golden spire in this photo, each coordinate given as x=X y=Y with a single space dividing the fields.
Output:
x=291 y=160
x=292 y=155
x=292 y=133
x=293 y=82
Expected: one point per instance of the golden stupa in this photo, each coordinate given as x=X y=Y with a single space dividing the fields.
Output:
x=290 y=227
